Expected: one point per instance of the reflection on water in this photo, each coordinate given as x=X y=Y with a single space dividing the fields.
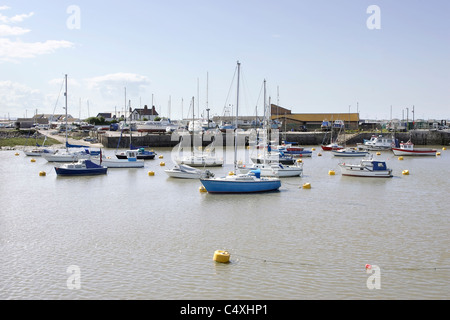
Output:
x=135 y=236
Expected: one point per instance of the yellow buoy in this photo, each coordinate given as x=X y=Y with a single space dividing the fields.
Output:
x=307 y=185
x=221 y=256
x=319 y=154
x=378 y=153
x=313 y=149
x=161 y=156
x=405 y=172
x=202 y=189
x=438 y=153
x=151 y=173
x=162 y=163
x=42 y=173
x=400 y=158
x=231 y=173
x=299 y=160
x=16 y=154
x=331 y=172
x=444 y=148
x=33 y=160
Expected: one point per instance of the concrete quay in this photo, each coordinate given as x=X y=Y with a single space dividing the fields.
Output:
x=418 y=137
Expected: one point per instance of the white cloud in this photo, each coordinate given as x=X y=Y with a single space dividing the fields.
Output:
x=15 y=19
x=111 y=86
x=118 y=79
x=18 y=97
x=12 y=50
x=6 y=31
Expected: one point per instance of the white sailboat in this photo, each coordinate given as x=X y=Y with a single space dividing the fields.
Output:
x=269 y=163
x=65 y=155
x=184 y=172
x=250 y=182
x=199 y=159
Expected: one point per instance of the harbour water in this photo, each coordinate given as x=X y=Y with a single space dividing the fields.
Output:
x=128 y=235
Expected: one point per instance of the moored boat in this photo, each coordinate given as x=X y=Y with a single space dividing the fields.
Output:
x=377 y=143
x=275 y=169
x=184 y=172
x=408 y=149
x=131 y=161
x=366 y=168
x=200 y=160
x=162 y=126
x=141 y=154
x=332 y=146
x=250 y=182
x=349 y=152
x=81 y=168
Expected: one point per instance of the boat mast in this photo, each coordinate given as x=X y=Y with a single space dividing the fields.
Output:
x=65 y=94
x=237 y=112
x=265 y=126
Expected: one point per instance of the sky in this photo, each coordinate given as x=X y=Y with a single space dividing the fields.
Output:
x=381 y=58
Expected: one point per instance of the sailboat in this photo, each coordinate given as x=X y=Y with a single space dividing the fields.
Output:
x=250 y=182
x=202 y=159
x=39 y=150
x=65 y=155
x=269 y=163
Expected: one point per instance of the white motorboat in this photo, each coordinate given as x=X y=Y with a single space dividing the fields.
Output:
x=184 y=172
x=201 y=160
x=408 y=149
x=366 y=168
x=349 y=152
x=377 y=143
x=157 y=126
x=275 y=169
x=131 y=161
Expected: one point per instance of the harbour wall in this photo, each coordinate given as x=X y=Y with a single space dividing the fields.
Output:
x=418 y=137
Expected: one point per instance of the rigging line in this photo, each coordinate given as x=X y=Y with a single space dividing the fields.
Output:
x=246 y=92
x=62 y=84
x=231 y=86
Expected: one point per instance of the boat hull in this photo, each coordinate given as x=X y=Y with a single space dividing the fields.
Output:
x=60 y=158
x=333 y=147
x=200 y=162
x=358 y=171
x=182 y=175
x=80 y=172
x=415 y=152
x=287 y=161
x=236 y=186
x=119 y=163
x=275 y=172
x=139 y=156
x=340 y=153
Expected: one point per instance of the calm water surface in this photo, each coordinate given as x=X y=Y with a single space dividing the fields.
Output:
x=135 y=236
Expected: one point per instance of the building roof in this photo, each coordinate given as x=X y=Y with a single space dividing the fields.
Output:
x=319 y=117
x=146 y=111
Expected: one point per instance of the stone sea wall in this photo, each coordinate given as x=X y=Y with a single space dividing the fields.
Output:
x=418 y=137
